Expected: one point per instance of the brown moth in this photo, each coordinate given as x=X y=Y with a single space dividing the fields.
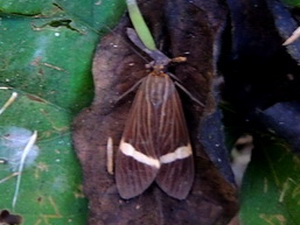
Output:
x=155 y=145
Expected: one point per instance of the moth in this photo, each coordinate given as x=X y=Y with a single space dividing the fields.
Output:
x=155 y=145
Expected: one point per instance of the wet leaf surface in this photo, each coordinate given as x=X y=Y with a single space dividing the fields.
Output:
x=45 y=51
x=51 y=177
x=40 y=61
x=181 y=29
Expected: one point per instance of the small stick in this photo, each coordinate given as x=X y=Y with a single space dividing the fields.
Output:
x=8 y=177
x=295 y=35
x=9 y=102
x=110 y=156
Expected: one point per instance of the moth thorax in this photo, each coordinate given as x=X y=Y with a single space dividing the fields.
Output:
x=158 y=91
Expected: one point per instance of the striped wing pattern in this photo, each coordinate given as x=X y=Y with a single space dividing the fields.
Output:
x=155 y=145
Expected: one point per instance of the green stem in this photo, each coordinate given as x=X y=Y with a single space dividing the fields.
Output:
x=140 y=25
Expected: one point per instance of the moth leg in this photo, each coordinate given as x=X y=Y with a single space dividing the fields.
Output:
x=132 y=89
x=188 y=93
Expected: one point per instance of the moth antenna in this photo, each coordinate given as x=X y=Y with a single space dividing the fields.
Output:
x=133 y=88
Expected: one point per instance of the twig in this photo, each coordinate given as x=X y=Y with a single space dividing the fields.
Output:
x=295 y=35
x=26 y=150
x=110 y=156
x=12 y=98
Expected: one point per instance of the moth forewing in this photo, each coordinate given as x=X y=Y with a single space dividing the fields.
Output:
x=136 y=160
x=176 y=173
x=155 y=143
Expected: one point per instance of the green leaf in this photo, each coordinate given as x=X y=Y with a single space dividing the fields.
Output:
x=293 y=3
x=46 y=50
x=54 y=54
x=271 y=192
x=29 y=7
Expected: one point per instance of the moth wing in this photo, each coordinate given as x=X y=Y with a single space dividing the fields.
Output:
x=136 y=162
x=176 y=173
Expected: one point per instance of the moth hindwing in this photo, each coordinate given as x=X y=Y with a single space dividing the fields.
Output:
x=155 y=145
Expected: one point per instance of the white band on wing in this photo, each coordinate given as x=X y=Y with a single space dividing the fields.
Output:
x=180 y=153
x=129 y=150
